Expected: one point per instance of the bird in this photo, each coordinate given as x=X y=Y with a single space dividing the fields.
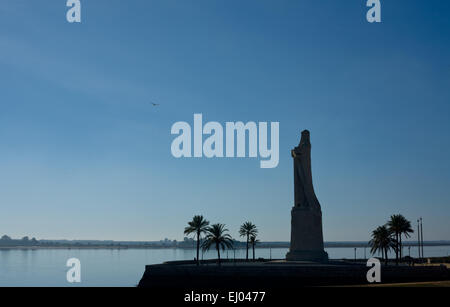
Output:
x=155 y=104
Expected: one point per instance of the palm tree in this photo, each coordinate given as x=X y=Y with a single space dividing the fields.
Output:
x=399 y=225
x=381 y=241
x=253 y=241
x=216 y=235
x=248 y=229
x=405 y=230
x=198 y=225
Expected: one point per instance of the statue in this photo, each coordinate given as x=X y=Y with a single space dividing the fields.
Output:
x=303 y=187
x=306 y=215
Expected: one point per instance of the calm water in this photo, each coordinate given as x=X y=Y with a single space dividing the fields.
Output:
x=125 y=267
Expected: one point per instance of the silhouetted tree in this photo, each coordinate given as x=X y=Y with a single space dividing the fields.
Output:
x=399 y=225
x=247 y=230
x=5 y=238
x=253 y=241
x=405 y=230
x=198 y=225
x=381 y=241
x=25 y=240
x=216 y=235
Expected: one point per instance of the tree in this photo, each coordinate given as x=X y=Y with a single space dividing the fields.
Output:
x=198 y=225
x=5 y=238
x=253 y=241
x=381 y=241
x=399 y=225
x=216 y=235
x=405 y=230
x=247 y=230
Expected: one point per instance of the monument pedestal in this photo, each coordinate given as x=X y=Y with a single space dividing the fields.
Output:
x=306 y=236
x=306 y=222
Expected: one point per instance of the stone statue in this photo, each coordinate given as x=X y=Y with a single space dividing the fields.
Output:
x=303 y=186
x=306 y=215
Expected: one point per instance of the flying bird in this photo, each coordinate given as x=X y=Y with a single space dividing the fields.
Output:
x=155 y=104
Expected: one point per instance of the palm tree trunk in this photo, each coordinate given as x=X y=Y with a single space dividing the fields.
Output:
x=246 y=257
x=396 y=248
x=400 y=247
x=218 y=253
x=198 y=248
x=386 y=256
x=253 y=247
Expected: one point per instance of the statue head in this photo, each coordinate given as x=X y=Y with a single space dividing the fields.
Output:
x=305 y=138
x=304 y=146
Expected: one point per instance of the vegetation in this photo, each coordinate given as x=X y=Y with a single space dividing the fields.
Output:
x=217 y=235
x=198 y=225
x=390 y=236
x=25 y=241
x=253 y=241
x=248 y=230
x=381 y=242
x=398 y=225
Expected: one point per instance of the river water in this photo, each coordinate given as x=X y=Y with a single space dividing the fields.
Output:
x=124 y=267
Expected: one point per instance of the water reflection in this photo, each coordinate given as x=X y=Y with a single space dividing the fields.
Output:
x=124 y=267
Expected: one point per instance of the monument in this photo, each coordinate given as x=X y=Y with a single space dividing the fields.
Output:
x=306 y=215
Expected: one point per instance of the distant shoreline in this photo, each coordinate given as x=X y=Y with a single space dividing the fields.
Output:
x=259 y=246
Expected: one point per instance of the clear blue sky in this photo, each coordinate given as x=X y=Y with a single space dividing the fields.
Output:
x=83 y=154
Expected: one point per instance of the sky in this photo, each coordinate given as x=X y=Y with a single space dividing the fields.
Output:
x=84 y=154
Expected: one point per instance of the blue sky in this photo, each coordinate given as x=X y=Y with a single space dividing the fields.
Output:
x=83 y=154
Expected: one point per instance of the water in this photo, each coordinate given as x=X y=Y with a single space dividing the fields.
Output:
x=104 y=267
